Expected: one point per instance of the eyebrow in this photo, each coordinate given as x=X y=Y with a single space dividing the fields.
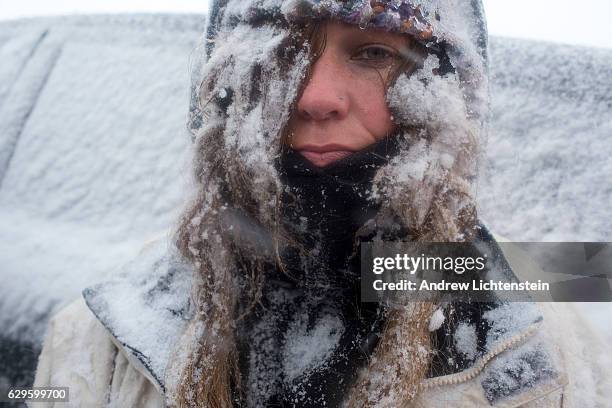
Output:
x=400 y=41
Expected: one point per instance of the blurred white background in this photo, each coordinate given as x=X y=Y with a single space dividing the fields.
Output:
x=566 y=21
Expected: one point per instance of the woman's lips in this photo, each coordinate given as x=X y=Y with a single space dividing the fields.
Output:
x=322 y=159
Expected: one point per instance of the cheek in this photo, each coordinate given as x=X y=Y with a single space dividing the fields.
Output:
x=372 y=109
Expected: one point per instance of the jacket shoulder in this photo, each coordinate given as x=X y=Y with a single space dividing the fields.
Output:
x=525 y=370
x=77 y=353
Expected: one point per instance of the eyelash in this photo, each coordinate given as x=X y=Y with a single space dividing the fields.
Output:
x=388 y=54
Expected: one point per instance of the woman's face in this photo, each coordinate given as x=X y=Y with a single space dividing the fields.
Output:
x=343 y=108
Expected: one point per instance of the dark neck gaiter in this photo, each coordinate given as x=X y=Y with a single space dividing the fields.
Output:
x=323 y=209
x=304 y=343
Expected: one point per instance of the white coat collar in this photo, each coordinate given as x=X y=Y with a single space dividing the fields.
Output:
x=146 y=309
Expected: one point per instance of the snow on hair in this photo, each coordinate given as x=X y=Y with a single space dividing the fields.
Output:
x=245 y=94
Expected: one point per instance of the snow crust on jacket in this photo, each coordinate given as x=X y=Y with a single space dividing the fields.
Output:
x=111 y=349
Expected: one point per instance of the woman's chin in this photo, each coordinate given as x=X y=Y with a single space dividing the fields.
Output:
x=322 y=159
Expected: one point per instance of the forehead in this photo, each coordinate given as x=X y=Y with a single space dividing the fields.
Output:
x=338 y=30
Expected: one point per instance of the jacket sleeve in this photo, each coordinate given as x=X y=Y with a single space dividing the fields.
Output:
x=77 y=353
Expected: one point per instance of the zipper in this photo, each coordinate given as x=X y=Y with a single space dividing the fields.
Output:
x=473 y=371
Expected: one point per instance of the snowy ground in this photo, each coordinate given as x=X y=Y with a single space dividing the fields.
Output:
x=93 y=147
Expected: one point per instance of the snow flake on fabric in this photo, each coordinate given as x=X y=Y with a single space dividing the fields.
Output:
x=509 y=319
x=278 y=356
x=508 y=375
x=466 y=340
x=146 y=308
x=306 y=348
x=436 y=321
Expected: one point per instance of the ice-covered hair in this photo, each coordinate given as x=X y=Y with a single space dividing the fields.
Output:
x=254 y=58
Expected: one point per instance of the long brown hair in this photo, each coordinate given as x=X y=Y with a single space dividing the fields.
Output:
x=205 y=365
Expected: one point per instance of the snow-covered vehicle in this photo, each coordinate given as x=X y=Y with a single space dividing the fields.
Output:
x=93 y=154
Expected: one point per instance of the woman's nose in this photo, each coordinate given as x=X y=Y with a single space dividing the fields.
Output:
x=324 y=96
